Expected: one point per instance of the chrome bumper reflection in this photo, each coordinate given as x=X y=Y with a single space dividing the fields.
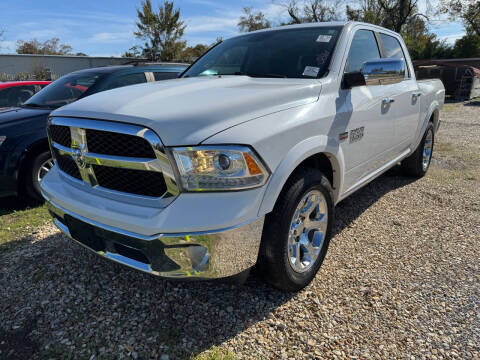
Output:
x=202 y=255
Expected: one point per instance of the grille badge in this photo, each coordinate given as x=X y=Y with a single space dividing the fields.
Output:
x=78 y=155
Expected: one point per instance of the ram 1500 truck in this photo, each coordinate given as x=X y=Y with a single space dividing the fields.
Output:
x=241 y=161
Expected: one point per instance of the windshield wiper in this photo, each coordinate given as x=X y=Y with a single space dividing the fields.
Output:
x=267 y=75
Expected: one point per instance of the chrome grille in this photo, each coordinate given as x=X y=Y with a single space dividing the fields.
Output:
x=108 y=143
x=68 y=165
x=61 y=135
x=130 y=181
x=114 y=158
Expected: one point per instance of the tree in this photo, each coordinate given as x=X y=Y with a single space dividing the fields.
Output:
x=368 y=11
x=193 y=52
x=312 y=11
x=162 y=31
x=48 y=47
x=251 y=21
x=133 y=52
x=467 y=46
x=392 y=14
x=421 y=43
x=466 y=10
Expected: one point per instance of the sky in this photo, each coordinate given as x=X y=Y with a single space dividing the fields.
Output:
x=105 y=27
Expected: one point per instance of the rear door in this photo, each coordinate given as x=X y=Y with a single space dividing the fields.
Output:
x=367 y=123
x=406 y=95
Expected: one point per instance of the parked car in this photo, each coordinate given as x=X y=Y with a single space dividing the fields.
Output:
x=15 y=93
x=242 y=161
x=24 y=152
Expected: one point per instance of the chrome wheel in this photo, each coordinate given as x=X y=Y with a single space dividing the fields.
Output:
x=307 y=231
x=427 y=149
x=44 y=168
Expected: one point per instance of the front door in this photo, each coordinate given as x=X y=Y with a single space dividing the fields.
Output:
x=368 y=122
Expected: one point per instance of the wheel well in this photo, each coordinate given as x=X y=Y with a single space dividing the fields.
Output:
x=28 y=154
x=434 y=119
x=321 y=162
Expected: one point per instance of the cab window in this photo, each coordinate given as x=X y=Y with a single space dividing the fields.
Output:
x=363 y=48
x=392 y=48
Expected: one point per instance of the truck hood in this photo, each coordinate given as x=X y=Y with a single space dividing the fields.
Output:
x=189 y=110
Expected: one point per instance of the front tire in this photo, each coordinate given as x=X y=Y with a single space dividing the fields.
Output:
x=36 y=169
x=418 y=162
x=297 y=232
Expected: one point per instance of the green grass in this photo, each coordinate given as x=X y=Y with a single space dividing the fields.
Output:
x=215 y=353
x=18 y=220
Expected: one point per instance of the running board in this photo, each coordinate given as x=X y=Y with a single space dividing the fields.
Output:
x=372 y=176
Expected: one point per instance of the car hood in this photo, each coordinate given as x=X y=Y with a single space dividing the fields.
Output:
x=189 y=110
x=17 y=115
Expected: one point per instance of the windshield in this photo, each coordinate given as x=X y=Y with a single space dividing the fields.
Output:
x=289 y=53
x=63 y=91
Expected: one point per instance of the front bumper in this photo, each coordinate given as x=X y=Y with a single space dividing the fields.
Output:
x=201 y=255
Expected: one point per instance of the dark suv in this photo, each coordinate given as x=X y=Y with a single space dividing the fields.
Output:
x=24 y=153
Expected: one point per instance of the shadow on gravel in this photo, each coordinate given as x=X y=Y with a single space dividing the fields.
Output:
x=15 y=203
x=473 y=103
x=354 y=205
x=57 y=300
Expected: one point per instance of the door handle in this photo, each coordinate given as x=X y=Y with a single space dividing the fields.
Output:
x=388 y=101
x=417 y=94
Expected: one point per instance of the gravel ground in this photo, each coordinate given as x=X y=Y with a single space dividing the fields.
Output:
x=401 y=280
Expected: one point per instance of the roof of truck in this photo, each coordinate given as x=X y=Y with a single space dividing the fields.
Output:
x=317 y=24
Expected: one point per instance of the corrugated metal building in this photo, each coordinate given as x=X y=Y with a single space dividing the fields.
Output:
x=54 y=65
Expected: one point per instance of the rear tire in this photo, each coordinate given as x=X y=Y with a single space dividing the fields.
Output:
x=36 y=168
x=297 y=232
x=418 y=162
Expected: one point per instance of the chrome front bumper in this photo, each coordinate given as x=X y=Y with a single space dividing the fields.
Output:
x=201 y=255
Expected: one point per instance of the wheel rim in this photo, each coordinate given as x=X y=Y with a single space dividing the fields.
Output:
x=427 y=149
x=44 y=168
x=307 y=231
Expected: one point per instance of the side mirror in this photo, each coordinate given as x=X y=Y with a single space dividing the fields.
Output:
x=353 y=79
x=376 y=72
x=384 y=71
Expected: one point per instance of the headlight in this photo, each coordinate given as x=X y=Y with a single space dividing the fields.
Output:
x=219 y=168
x=2 y=139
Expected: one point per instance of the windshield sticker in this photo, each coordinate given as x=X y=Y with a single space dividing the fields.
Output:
x=311 y=71
x=324 y=38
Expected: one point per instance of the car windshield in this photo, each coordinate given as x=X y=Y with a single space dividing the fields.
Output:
x=289 y=53
x=63 y=91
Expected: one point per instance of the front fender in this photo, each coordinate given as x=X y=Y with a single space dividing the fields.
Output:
x=295 y=156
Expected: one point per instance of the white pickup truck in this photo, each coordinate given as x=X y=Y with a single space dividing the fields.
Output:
x=241 y=161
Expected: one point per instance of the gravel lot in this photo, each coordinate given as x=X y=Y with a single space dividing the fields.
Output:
x=401 y=280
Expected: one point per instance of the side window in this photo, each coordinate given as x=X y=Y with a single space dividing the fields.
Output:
x=125 y=80
x=392 y=47
x=165 y=75
x=4 y=97
x=16 y=96
x=363 y=48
